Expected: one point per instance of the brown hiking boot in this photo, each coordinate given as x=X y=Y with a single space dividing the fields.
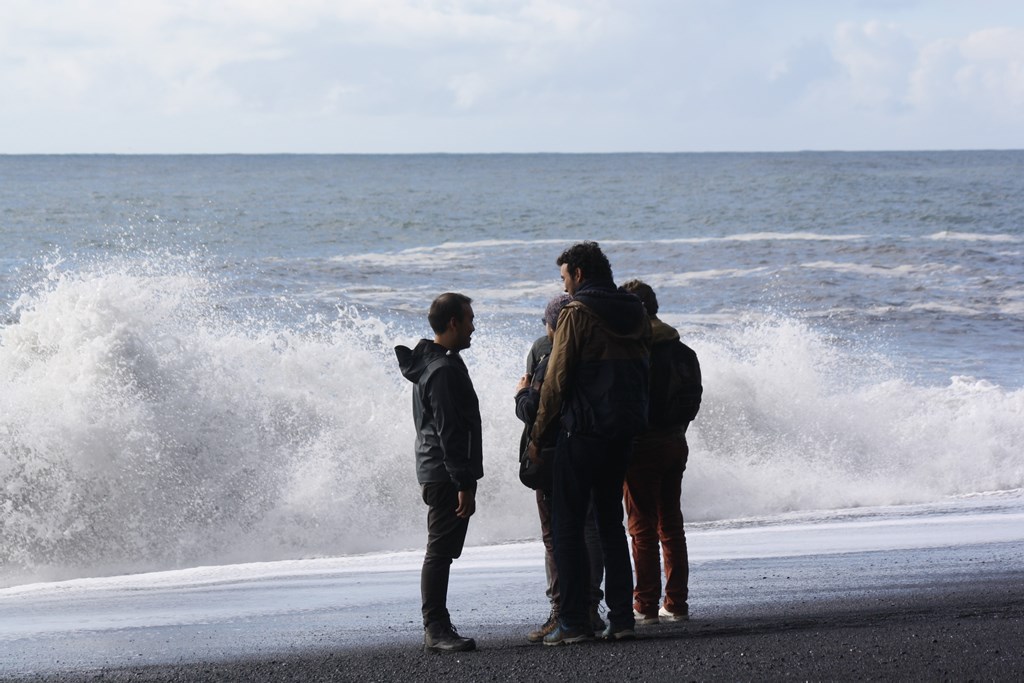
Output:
x=537 y=635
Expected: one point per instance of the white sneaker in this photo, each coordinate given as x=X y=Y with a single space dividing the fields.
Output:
x=644 y=620
x=665 y=615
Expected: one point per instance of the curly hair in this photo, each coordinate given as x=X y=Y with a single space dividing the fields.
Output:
x=588 y=257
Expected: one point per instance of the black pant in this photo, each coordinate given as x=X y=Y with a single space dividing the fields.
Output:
x=446 y=534
x=593 y=542
x=588 y=467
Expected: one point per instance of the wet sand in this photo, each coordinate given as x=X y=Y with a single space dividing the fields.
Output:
x=934 y=624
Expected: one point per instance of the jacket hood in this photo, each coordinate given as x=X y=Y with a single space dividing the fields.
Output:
x=413 y=362
x=622 y=312
x=662 y=332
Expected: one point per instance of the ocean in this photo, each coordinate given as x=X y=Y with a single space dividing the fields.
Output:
x=196 y=362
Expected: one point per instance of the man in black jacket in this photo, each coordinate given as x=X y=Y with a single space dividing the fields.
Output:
x=449 y=458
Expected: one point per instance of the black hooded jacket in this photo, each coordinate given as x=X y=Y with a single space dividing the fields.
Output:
x=446 y=413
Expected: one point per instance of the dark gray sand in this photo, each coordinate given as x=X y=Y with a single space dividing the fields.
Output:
x=958 y=630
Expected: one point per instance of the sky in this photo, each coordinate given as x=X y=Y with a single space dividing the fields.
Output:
x=483 y=76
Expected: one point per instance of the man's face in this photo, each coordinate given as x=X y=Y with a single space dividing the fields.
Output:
x=571 y=280
x=464 y=328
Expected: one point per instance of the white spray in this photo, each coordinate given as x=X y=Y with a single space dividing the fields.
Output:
x=142 y=426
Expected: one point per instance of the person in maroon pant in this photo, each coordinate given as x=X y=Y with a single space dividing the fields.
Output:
x=654 y=477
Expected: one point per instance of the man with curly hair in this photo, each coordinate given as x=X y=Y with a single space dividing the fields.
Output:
x=594 y=399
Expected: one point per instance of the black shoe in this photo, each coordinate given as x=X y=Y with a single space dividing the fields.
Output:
x=596 y=622
x=444 y=638
x=614 y=632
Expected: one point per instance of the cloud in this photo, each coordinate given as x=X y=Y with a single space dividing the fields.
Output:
x=125 y=54
x=950 y=86
x=179 y=53
x=467 y=88
x=876 y=59
x=499 y=75
x=802 y=68
x=983 y=71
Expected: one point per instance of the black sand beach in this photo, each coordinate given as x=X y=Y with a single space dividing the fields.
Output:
x=939 y=614
x=964 y=632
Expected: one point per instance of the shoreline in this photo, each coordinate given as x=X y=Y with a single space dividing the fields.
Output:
x=953 y=612
x=961 y=630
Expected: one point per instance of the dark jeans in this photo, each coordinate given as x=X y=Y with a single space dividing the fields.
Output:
x=653 y=484
x=446 y=534
x=590 y=537
x=588 y=467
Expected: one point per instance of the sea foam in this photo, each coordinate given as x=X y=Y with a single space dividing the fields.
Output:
x=148 y=423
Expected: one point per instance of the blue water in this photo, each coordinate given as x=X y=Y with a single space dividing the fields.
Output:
x=195 y=352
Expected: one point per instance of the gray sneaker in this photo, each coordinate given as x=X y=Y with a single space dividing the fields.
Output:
x=444 y=638
x=567 y=636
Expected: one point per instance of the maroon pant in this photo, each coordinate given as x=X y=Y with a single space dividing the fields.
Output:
x=652 y=492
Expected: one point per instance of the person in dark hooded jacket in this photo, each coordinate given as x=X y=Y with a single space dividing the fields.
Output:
x=594 y=397
x=449 y=458
x=654 y=484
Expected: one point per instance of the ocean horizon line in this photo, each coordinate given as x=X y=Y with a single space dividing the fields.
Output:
x=808 y=152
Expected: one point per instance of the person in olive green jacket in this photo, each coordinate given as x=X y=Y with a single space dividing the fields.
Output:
x=594 y=399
